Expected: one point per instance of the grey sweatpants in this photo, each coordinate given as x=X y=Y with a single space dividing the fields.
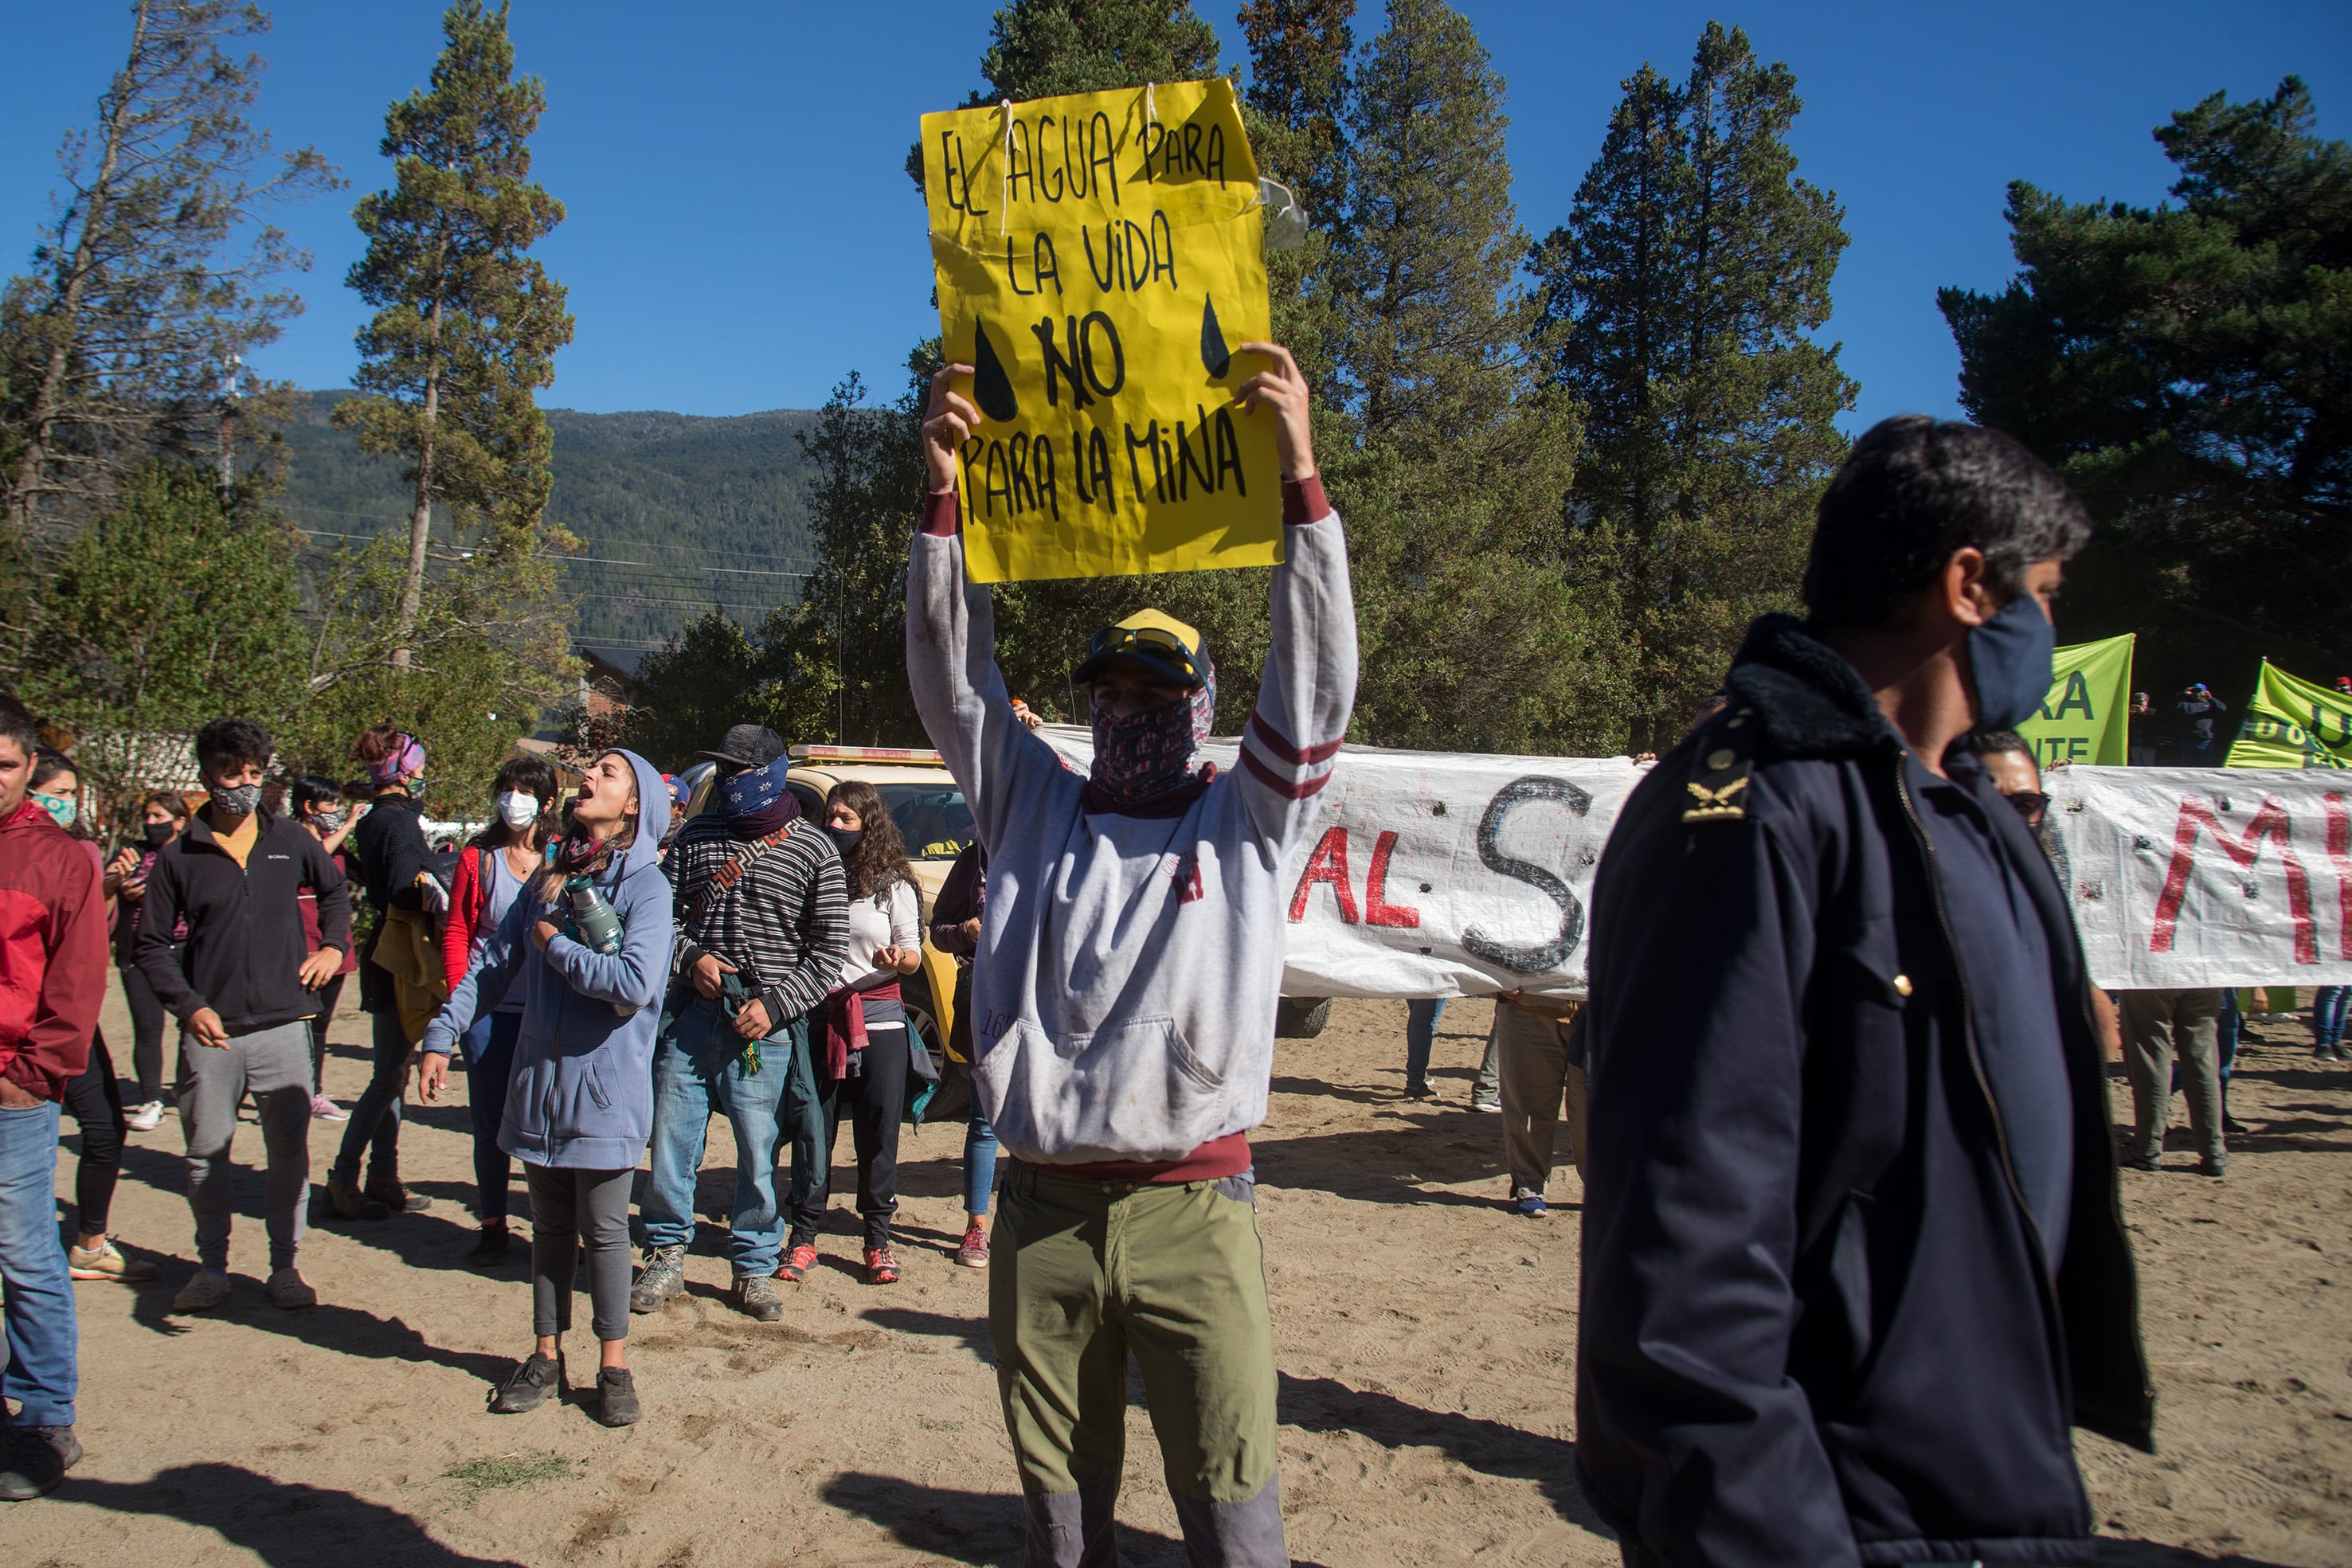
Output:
x=1538 y=1083
x=273 y=1065
x=2156 y=1026
x=568 y=1208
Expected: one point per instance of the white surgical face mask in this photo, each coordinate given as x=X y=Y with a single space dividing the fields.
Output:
x=519 y=810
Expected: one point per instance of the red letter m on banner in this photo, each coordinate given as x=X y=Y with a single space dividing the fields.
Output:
x=2270 y=822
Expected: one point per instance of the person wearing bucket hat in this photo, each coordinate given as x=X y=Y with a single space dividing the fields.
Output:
x=1123 y=999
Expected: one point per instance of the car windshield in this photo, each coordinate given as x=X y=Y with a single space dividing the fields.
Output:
x=934 y=821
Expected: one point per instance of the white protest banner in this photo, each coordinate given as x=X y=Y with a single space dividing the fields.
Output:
x=2207 y=877
x=1433 y=873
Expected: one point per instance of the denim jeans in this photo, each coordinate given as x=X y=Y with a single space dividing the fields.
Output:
x=699 y=1068
x=2327 y=1010
x=489 y=1058
x=979 y=1160
x=42 y=1336
x=1421 y=1016
x=375 y=1119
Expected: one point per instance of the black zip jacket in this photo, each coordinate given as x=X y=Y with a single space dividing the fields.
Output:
x=1818 y=1325
x=245 y=947
x=390 y=844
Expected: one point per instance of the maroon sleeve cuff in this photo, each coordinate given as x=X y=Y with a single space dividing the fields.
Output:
x=1302 y=500
x=940 y=518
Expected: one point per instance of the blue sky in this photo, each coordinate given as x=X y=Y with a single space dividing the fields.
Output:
x=742 y=232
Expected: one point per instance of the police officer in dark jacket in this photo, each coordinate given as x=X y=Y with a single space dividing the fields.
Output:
x=1853 y=1261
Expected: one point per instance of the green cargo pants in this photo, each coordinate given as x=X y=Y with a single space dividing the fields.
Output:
x=1086 y=1272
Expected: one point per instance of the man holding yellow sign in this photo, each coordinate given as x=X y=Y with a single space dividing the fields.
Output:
x=1099 y=259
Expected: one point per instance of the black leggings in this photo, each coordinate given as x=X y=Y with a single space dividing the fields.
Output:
x=95 y=1101
x=875 y=1096
x=329 y=994
x=572 y=1209
x=147 y=1018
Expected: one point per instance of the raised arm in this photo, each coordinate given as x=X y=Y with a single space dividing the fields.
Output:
x=952 y=641
x=1310 y=685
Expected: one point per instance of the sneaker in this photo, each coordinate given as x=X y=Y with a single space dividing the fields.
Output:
x=36 y=1461
x=881 y=1265
x=2325 y=1053
x=325 y=1110
x=348 y=1202
x=796 y=1265
x=1487 y=1107
x=206 y=1290
x=2140 y=1162
x=144 y=1118
x=528 y=1386
x=2214 y=1165
x=1529 y=1205
x=106 y=1261
x=973 y=1253
x=617 y=1396
x=491 y=1249
x=662 y=1277
x=288 y=1290
x=387 y=1191
x=756 y=1298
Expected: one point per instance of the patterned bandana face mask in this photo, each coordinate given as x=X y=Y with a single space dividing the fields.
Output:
x=753 y=790
x=60 y=807
x=239 y=802
x=1151 y=752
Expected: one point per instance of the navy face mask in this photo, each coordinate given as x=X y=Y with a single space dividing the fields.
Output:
x=2010 y=657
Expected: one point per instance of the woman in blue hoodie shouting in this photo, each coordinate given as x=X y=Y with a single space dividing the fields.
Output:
x=580 y=1103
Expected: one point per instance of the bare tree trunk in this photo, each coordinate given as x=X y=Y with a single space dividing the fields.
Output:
x=40 y=427
x=420 y=524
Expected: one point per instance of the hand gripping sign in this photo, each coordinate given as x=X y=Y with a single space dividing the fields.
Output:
x=1100 y=257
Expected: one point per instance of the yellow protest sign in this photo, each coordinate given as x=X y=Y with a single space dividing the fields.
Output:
x=1100 y=258
x=2084 y=719
x=2293 y=724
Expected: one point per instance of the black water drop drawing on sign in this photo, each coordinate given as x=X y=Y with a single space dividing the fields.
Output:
x=990 y=387
x=1214 y=352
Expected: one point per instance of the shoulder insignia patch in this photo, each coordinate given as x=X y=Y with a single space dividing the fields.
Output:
x=1719 y=771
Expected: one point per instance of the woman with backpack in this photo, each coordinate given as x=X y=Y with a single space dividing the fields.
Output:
x=491 y=870
x=587 y=942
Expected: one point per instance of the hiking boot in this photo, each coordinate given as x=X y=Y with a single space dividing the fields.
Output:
x=35 y=1461
x=881 y=1265
x=2214 y=1165
x=2140 y=1162
x=528 y=1386
x=756 y=1298
x=1529 y=1205
x=290 y=1290
x=106 y=1261
x=144 y=1118
x=387 y=1191
x=796 y=1265
x=345 y=1201
x=617 y=1396
x=491 y=1246
x=660 y=1280
x=973 y=1253
x=206 y=1289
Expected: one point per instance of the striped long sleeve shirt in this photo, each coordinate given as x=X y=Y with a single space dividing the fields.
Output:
x=786 y=924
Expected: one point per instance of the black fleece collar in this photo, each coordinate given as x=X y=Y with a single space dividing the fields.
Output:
x=1809 y=700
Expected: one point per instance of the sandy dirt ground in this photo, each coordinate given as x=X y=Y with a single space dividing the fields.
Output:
x=1427 y=1342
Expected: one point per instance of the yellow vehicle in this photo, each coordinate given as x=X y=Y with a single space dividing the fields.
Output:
x=937 y=825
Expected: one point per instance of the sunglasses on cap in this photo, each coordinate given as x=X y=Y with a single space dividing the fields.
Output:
x=1155 y=643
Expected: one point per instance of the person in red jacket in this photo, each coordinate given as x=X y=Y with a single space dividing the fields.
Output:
x=490 y=869
x=52 y=979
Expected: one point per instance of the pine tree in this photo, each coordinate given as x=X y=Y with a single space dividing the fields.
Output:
x=2184 y=367
x=1692 y=271
x=153 y=275
x=1300 y=83
x=468 y=323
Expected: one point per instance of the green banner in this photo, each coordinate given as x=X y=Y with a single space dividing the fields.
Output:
x=2293 y=724
x=2084 y=719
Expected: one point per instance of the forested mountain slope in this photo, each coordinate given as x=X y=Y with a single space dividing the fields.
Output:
x=678 y=511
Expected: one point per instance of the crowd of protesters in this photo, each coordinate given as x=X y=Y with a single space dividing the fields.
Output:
x=1839 y=1030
